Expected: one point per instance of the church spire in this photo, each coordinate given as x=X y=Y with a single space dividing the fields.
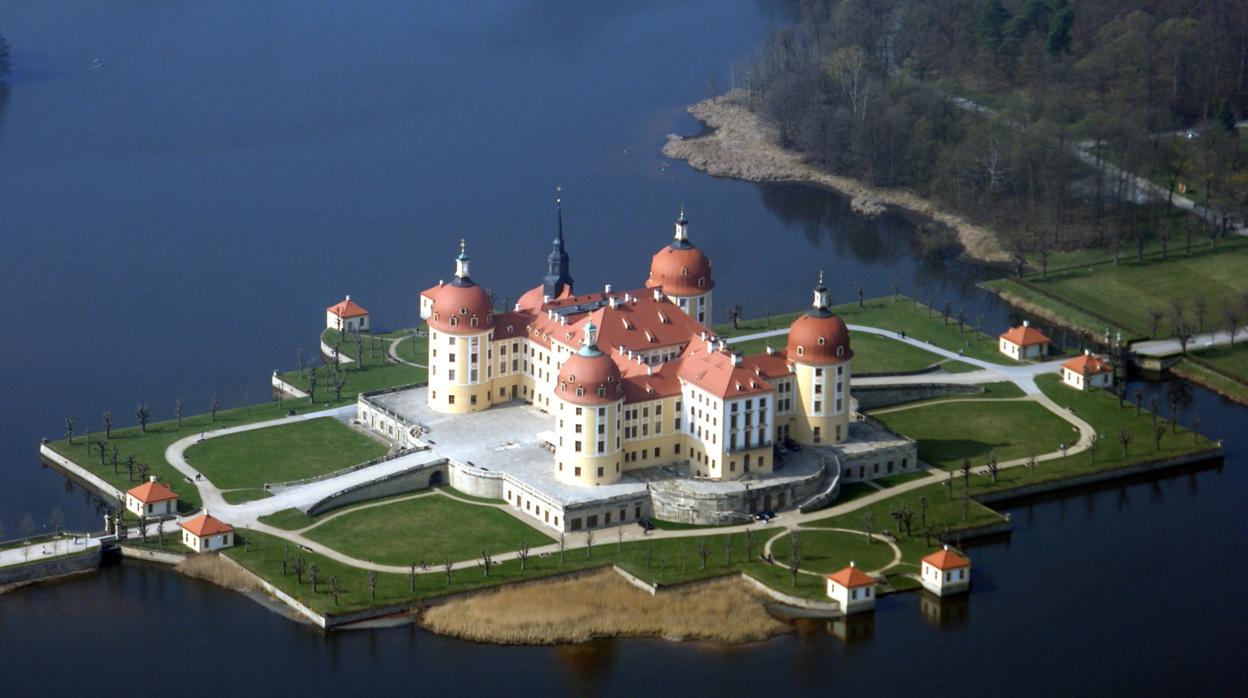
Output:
x=557 y=275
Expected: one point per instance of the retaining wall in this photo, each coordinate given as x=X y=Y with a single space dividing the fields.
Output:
x=81 y=475
x=164 y=557
x=1098 y=477
x=477 y=482
x=680 y=505
x=43 y=570
x=411 y=480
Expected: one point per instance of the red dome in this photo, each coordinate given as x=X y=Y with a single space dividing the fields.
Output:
x=819 y=339
x=595 y=376
x=468 y=304
x=681 y=271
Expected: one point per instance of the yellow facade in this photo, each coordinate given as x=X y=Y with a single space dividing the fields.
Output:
x=460 y=371
x=588 y=443
x=822 y=406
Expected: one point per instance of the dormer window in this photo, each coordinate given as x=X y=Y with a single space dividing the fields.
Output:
x=580 y=391
x=454 y=321
x=701 y=282
x=563 y=385
x=801 y=351
x=473 y=321
x=463 y=310
x=435 y=316
x=822 y=341
x=840 y=351
x=602 y=391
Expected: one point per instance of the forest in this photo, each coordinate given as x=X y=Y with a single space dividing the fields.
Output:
x=1004 y=111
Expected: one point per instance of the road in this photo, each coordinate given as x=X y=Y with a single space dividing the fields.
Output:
x=1170 y=347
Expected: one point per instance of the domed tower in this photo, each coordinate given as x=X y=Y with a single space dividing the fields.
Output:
x=684 y=272
x=461 y=327
x=819 y=349
x=587 y=427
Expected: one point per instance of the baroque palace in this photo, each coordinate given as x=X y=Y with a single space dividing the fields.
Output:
x=642 y=392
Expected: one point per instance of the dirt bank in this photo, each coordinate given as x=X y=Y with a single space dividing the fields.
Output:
x=744 y=146
x=603 y=605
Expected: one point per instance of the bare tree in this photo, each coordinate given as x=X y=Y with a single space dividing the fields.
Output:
x=1031 y=463
x=1154 y=318
x=735 y=313
x=313 y=571
x=285 y=558
x=993 y=466
x=961 y=320
x=868 y=522
x=944 y=312
x=114 y=456
x=562 y=546
x=923 y=512
x=1201 y=306
x=213 y=406
x=728 y=550
x=1094 y=442
x=524 y=555
x=1158 y=432
x=860 y=292
x=703 y=553
x=340 y=379
x=69 y=429
x=411 y=577
x=486 y=562
x=312 y=385
x=301 y=564
x=448 y=567
x=619 y=540
x=1195 y=428
x=108 y=424
x=589 y=543
x=177 y=411
x=27 y=527
x=749 y=545
x=848 y=68
x=56 y=520
x=894 y=286
x=1230 y=321
x=372 y=585
x=299 y=359
x=966 y=487
x=333 y=587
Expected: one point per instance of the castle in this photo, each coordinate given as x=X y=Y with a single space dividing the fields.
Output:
x=591 y=410
x=635 y=378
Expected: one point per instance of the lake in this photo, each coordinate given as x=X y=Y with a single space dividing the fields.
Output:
x=185 y=186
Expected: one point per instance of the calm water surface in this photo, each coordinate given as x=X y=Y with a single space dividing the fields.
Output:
x=184 y=186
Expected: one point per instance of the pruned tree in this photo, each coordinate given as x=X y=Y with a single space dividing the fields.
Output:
x=213 y=405
x=177 y=411
x=728 y=550
x=794 y=565
x=860 y=292
x=114 y=457
x=1158 y=432
x=333 y=587
x=993 y=466
x=1139 y=401
x=56 y=520
x=285 y=558
x=944 y=312
x=142 y=413
x=589 y=543
x=961 y=320
x=411 y=577
x=340 y=379
x=99 y=448
x=299 y=360
x=108 y=424
x=372 y=585
x=562 y=547
x=703 y=553
x=868 y=523
x=130 y=468
x=894 y=287
x=27 y=527
x=1094 y=442
x=523 y=554
x=313 y=571
x=619 y=540
x=923 y=512
x=69 y=429
x=448 y=567
x=312 y=385
x=735 y=313
x=1195 y=428
x=143 y=527
x=486 y=562
x=1031 y=463
x=966 y=487
x=749 y=545
x=1201 y=306
x=1154 y=318
x=300 y=564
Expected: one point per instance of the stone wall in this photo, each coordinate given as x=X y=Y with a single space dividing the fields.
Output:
x=19 y=575
x=416 y=478
x=871 y=397
x=477 y=482
x=671 y=502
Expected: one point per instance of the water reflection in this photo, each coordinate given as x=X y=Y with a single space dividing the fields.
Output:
x=944 y=612
x=854 y=629
x=586 y=664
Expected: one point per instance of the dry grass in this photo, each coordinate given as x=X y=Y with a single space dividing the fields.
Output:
x=213 y=568
x=603 y=605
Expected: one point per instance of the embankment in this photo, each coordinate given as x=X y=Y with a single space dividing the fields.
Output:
x=742 y=145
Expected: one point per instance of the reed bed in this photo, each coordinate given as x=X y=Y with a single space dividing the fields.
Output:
x=213 y=569
x=603 y=605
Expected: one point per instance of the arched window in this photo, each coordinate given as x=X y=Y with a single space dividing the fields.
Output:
x=435 y=317
x=840 y=351
x=801 y=351
x=602 y=391
x=580 y=391
x=684 y=271
x=463 y=310
x=822 y=341
x=454 y=321
x=473 y=321
x=701 y=282
x=563 y=385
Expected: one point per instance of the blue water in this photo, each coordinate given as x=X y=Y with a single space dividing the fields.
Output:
x=184 y=186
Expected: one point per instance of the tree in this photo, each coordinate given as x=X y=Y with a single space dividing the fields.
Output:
x=1195 y=428
x=794 y=560
x=141 y=413
x=372 y=585
x=177 y=411
x=340 y=379
x=990 y=25
x=734 y=314
x=923 y=512
x=993 y=466
x=703 y=553
x=69 y=429
x=868 y=522
x=1058 y=40
x=114 y=455
x=524 y=555
x=300 y=564
x=944 y=312
x=130 y=468
x=894 y=286
x=213 y=406
x=5 y=61
x=619 y=540
x=966 y=487
x=1094 y=442
x=56 y=520
x=860 y=292
x=749 y=545
x=1179 y=396
x=1031 y=464
x=1201 y=306
x=411 y=577
x=312 y=385
x=1158 y=432
x=728 y=550
x=562 y=545
x=333 y=587
x=27 y=527
x=299 y=360
x=589 y=543
x=108 y=425
x=285 y=558
x=1154 y=317
x=1230 y=321
x=486 y=562
x=448 y=567
x=143 y=527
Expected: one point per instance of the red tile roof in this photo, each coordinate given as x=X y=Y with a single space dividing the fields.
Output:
x=769 y=366
x=205 y=525
x=644 y=382
x=946 y=559
x=1088 y=365
x=1025 y=336
x=851 y=577
x=347 y=308
x=715 y=371
x=151 y=492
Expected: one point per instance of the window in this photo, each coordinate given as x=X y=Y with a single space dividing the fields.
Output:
x=578 y=428
x=450 y=399
x=472 y=399
x=578 y=471
x=600 y=471
x=578 y=446
x=801 y=351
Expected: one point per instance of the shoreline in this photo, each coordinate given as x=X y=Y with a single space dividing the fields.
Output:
x=740 y=144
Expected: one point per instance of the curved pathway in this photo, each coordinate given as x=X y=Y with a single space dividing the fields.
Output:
x=874 y=536
x=394 y=353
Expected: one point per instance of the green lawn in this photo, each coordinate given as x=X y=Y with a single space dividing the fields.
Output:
x=470 y=497
x=282 y=453
x=1131 y=290
x=289 y=519
x=426 y=528
x=915 y=319
x=943 y=515
x=872 y=353
x=952 y=366
x=359 y=379
x=828 y=551
x=150 y=447
x=1237 y=390
x=666 y=561
x=951 y=431
x=894 y=480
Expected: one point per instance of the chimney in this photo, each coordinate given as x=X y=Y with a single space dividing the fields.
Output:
x=152 y=478
x=1087 y=352
x=649 y=370
x=946 y=546
x=348 y=296
x=1026 y=323
x=736 y=359
x=545 y=298
x=703 y=335
x=613 y=302
x=658 y=294
x=770 y=350
x=606 y=288
x=852 y=563
x=441 y=282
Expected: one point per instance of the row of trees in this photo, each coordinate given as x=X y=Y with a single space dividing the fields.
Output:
x=864 y=88
x=26 y=527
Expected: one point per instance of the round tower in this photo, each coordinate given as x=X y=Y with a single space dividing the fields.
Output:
x=461 y=327
x=684 y=273
x=819 y=350
x=587 y=427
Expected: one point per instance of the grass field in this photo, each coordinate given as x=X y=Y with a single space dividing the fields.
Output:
x=250 y=459
x=1234 y=389
x=915 y=319
x=426 y=528
x=828 y=551
x=951 y=431
x=150 y=447
x=359 y=379
x=1131 y=290
x=872 y=353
